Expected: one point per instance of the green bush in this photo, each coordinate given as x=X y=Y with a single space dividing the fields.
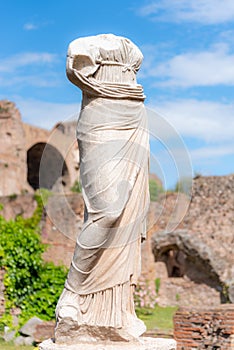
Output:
x=155 y=189
x=47 y=289
x=21 y=258
x=30 y=284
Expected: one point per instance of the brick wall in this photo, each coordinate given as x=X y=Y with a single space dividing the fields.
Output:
x=205 y=329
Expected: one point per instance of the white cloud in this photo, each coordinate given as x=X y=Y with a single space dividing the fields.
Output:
x=41 y=80
x=201 y=11
x=29 y=69
x=45 y=114
x=227 y=36
x=11 y=63
x=204 y=68
x=208 y=129
x=30 y=26
x=208 y=121
x=212 y=152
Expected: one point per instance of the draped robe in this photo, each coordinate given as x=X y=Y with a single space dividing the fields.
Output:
x=113 y=142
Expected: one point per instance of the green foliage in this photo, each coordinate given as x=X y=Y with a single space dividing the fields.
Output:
x=11 y=346
x=155 y=189
x=76 y=187
x=47 y=289
x=44 y=194
x=157 y=285
x=21 y=259
x=6 y=320
x=30 y=284
x=225 y=298
x=33 y=222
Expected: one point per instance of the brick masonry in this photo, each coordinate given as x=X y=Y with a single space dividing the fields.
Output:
x=205 y=329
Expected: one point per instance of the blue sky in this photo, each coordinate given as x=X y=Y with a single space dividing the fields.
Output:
x=187 y=73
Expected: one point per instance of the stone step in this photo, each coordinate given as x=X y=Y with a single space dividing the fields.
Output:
x=145 y=343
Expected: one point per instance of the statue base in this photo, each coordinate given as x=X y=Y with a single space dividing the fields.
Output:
x=145 y=343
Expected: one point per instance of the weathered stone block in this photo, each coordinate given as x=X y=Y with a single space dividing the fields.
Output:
x=143 y=344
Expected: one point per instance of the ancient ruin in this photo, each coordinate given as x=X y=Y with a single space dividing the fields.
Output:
x=23 y=147
x=195 y=262
x=205 y=328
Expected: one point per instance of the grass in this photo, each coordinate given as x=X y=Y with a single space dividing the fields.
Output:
x=7 y=346
x=161 y=318
x=11 y=346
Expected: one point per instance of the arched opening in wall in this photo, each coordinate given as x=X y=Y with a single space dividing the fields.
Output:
x=175 y=261
x=47 y=168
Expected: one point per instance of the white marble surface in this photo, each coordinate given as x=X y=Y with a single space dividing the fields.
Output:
x=112 y=131
x=146 y=343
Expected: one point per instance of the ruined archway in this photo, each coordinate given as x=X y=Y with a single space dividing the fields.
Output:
x=194 y=272
x=187 y=253
x=46 y=168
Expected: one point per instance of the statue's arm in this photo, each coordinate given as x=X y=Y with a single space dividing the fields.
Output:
x=70 y=67
x=80 y=64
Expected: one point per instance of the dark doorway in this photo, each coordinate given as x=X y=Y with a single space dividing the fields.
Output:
x=46 y=168
x=175 y=261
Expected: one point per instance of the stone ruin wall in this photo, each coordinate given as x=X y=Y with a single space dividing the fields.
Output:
x=62 y=221
x=34 y=135
x=23 y=146
x=211 y=216
x=195 y=262
x=13 y=158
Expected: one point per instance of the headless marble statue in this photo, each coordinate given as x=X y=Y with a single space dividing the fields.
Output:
x=97 y=301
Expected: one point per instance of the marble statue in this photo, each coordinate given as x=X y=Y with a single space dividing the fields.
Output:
x=97 y=301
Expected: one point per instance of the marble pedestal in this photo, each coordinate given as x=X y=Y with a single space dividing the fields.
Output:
x=145 y=343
